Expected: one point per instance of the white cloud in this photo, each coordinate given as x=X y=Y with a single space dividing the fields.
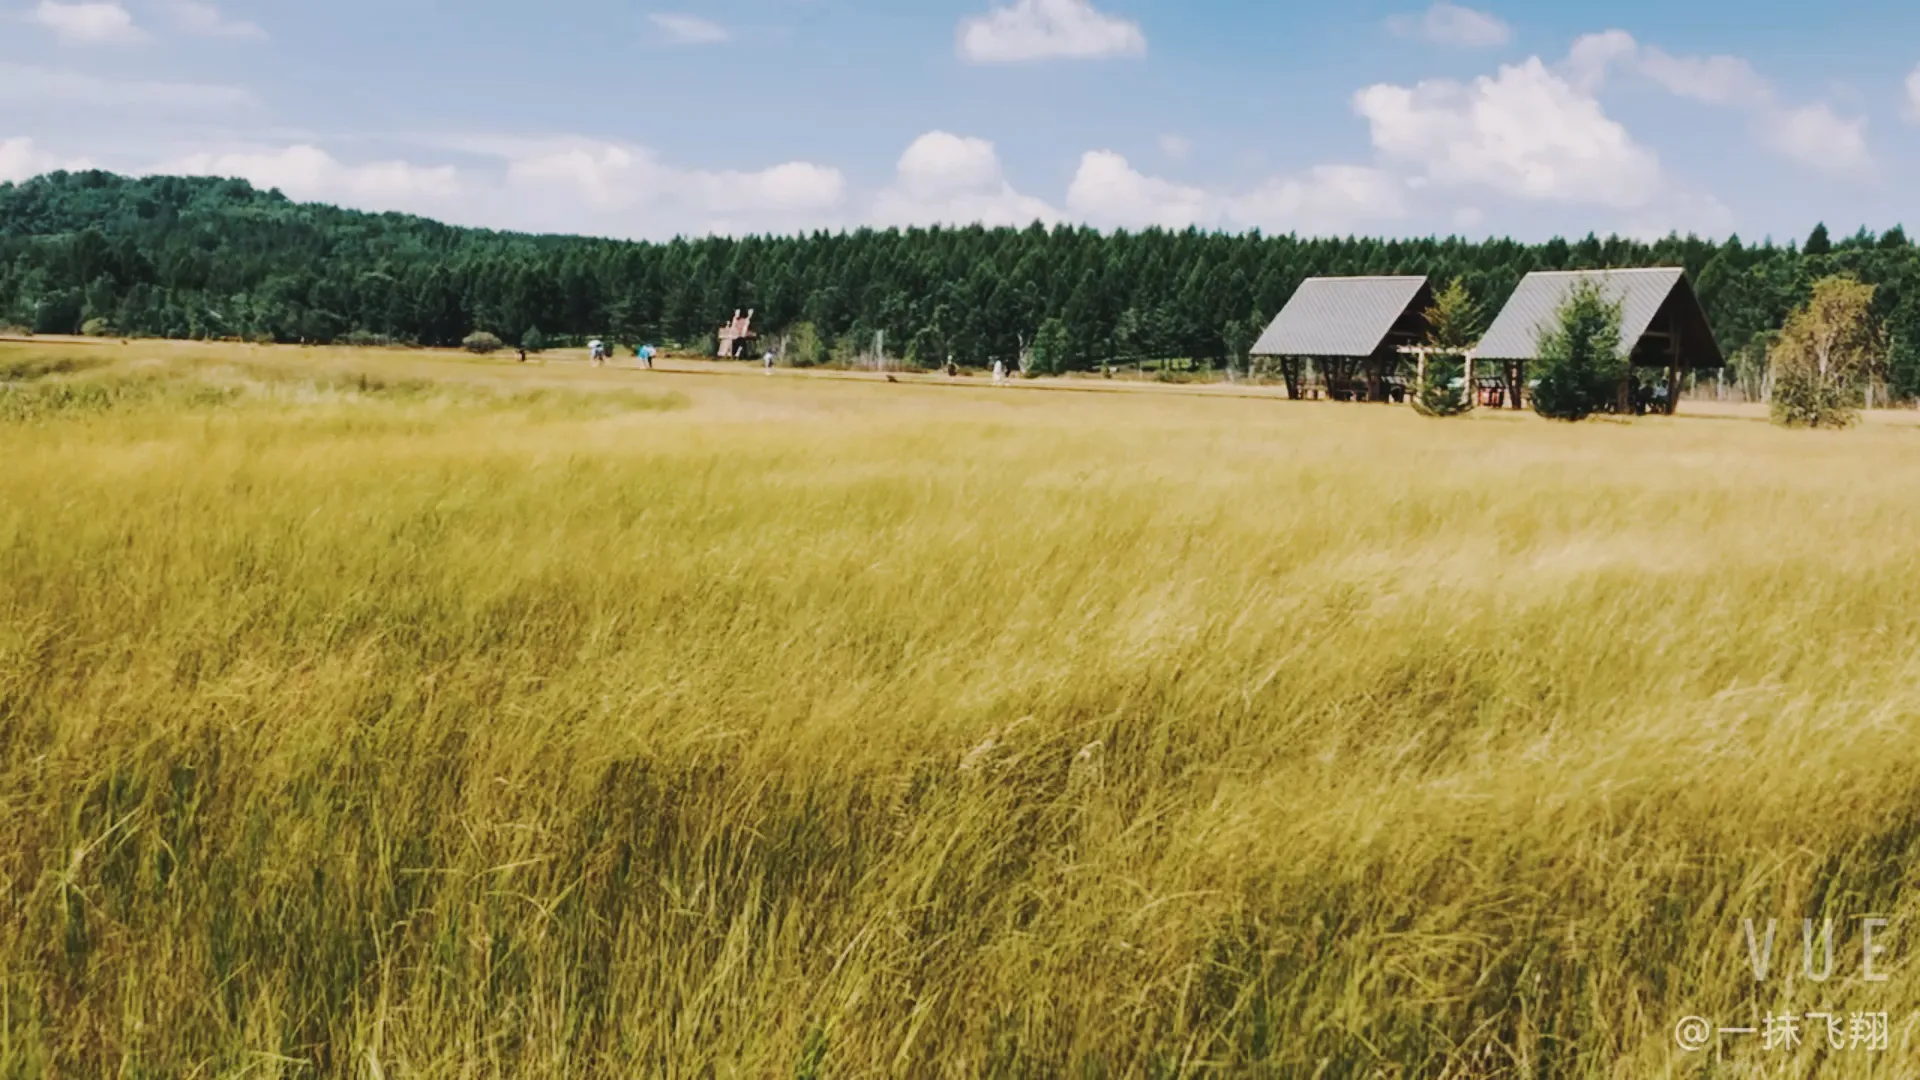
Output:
x=615 y=178
x=1814 y=135
x=87 y=23
x=1176 y=147
x=939 y=163
x=310 y=173
x=1525 y=132
x=1451 y=24
x=1328 y=200
x=1700 y=215
x=578 y=185
x=1029 y=30
x=1913 y=95
x=22 y=85
x=950 y=180
x=1714 y=80
x=680 y=29
x=604 y=177
x=21 y=159
x=1108 y=191
x=1819 y=138
x=544 y=184
x=1594 y=55
x=792 y=187
x=206 y=20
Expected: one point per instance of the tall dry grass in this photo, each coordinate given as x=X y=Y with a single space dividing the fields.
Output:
x=477 y=721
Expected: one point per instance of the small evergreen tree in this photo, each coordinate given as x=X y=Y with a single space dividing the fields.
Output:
x=534 y=341
x=1453 y=325
x=804 y=348
x=1827 y=347
x=1050 y=348
x=1437 y=395
x=1581 y=368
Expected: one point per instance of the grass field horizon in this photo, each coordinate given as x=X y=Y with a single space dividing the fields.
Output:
x=369 y=713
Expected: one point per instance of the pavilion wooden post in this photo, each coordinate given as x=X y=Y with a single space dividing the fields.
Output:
x=1290 y=374
x=1673 y=370
x=1419 y=383
x=1424 y=352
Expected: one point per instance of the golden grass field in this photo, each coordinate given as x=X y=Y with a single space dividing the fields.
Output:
x=393 y=715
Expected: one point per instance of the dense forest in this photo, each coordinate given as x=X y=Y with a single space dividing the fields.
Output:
x=174 y=257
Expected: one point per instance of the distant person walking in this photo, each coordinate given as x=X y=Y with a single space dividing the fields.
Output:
x=597 y=350
x=769 y=361
x=645 y=353
x=999 y=372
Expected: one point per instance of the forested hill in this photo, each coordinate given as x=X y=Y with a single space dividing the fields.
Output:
x=177 y=257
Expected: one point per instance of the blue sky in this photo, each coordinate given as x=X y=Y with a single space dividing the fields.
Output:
x=650 y=120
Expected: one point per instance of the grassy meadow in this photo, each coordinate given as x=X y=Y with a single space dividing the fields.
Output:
x=398 y=715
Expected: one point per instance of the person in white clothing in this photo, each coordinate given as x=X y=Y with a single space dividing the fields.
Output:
x=999 y=371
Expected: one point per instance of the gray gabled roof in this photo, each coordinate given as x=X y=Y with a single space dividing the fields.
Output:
x=1515 y=335
x=1340 y=316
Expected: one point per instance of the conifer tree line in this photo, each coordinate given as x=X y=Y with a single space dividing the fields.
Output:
x=192 y=258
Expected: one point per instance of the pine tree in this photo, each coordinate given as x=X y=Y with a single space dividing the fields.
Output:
x=1581 y=368
x=1050 y=348
x=1453 y=325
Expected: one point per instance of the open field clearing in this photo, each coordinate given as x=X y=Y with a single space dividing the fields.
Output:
x=404 y=715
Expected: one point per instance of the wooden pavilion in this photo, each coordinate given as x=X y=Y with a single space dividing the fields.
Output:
x=1662 y=328
x=1349 y=335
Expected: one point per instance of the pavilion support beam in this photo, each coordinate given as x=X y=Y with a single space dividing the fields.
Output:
x=1290 y=374
x=1335 y=376
x=1673 y=372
